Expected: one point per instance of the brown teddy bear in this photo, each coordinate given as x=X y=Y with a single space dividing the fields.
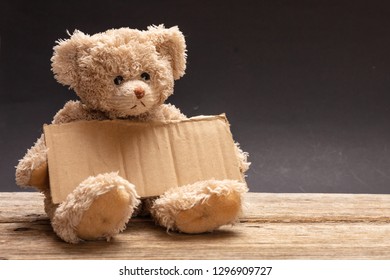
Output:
x=125 y=74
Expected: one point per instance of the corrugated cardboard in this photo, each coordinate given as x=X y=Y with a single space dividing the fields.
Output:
x=154 y=156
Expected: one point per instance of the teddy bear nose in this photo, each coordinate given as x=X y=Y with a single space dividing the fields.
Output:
x=139 y=92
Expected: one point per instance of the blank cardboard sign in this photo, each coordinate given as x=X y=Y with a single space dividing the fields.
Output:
x=154 y=156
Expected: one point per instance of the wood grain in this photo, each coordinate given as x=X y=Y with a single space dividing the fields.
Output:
x=274 y=226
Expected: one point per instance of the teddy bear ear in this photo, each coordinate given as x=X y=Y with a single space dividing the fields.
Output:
x=64 y=60
x=170 y=42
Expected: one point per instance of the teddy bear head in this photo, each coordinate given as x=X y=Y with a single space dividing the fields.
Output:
x=122 y=72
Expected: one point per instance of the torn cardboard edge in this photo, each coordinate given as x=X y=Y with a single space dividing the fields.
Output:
x=154 y=156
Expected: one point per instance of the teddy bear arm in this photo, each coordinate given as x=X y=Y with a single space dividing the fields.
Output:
x=32 y=169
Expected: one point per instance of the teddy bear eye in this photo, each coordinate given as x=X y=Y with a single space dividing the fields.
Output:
x=118 y=80
x=145 y=76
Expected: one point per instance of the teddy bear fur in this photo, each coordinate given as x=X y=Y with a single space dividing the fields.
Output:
x=125 y=74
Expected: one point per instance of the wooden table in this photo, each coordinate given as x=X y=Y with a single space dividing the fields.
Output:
x=275 y=226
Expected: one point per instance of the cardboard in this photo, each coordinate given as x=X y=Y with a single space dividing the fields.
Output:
x=154 y=156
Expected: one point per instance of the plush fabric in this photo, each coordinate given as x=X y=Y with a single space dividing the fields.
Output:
x=128 y=74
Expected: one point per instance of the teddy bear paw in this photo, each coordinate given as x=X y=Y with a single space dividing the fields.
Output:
x=99 y=208
x=209 y=214
x=103 y=220
x=200 y=207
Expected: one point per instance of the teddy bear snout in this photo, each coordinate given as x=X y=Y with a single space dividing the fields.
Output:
x=139 y=92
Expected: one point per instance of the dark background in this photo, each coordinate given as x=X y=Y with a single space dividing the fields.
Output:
x=305 y=84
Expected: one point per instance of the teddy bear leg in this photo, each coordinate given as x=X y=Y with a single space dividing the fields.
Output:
x=200 y=207
x=98 y=208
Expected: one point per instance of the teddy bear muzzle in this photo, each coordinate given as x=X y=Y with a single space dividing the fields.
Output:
x=132 y=98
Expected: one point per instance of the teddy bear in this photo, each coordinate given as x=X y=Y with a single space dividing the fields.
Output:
x=126 y=74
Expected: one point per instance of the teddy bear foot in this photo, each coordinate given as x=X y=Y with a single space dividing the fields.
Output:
x=98 y=208
x=200 y=207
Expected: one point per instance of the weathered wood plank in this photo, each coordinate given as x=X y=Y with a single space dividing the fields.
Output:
x=275 y=226
x=267 y=207
x=21 y=206
x=298 y=207
x=142 y=240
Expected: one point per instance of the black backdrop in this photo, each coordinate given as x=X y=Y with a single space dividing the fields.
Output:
x=305 y=84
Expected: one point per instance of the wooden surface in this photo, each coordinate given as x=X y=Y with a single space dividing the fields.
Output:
x=275 y=226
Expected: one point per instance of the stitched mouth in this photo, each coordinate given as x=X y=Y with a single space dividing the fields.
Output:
x=143 y=104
